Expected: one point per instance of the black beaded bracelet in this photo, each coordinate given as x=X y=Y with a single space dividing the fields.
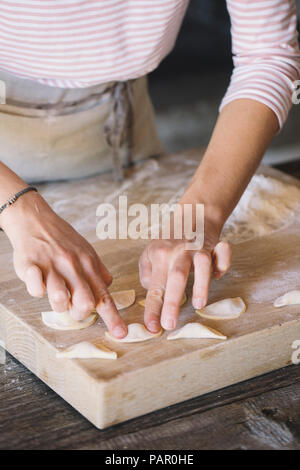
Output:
x=16 y=196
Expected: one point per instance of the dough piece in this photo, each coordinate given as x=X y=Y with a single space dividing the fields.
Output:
x=64 y=321
x=136 y=333
x=290 y=298
x=195 y=331
x=226 y=309
x=142 y=302
x=86 y=350
x=123 y=298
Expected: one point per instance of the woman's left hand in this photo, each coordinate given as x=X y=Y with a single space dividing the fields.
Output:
x=164 y=269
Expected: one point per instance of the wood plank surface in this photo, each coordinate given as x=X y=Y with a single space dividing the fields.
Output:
x=260 y=318
x=262 y=413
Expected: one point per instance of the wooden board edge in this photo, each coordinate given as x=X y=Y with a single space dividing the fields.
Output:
x=243 y=358
x=66 y=377
x=105 y=403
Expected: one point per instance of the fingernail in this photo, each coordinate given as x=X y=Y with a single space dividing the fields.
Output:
x=198 y=303
x=170 y=324
x=153 y=326
x=77 y=315
x=222 y=267
x=119 y=332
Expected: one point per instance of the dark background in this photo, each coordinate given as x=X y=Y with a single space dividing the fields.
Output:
x=189 y=84
x=204 y=39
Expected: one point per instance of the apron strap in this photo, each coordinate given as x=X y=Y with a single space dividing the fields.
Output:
x=118 y=126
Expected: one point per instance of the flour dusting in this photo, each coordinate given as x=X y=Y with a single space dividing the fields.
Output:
x=267 y=205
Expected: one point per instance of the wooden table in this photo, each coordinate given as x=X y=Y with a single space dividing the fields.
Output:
x=262 y=413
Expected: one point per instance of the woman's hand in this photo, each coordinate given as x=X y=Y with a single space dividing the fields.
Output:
x=164 y=269
x=50 y=255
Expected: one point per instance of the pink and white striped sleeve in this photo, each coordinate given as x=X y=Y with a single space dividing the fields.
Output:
x=266 y=53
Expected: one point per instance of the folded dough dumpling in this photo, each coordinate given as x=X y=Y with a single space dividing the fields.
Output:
x=64 y=321
x=123 y=298
x=195 y=331
x=290 y=298
x=226 y=309
x=86 y=350
x=136 y=333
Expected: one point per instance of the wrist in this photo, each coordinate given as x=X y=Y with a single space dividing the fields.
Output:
x=214 y=214
x=25 y=209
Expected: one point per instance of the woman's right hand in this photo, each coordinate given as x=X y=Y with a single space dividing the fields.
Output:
x=50 y=255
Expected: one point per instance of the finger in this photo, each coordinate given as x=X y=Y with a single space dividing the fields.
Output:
x=97 y=265
x=58 y=293
x=33 y=278
x=202 y=273
x=110 y=315
x=176 y=284
x=105 y=274
x=82 y=301
x=145 y=269
x=222 y=255
x=155 y=298
x=92 y=264
x=105 y=305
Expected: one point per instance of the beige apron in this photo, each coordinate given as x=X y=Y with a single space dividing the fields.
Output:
x=49 y=133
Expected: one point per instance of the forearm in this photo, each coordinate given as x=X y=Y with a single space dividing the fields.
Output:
x=241 y=136
x=49 y=254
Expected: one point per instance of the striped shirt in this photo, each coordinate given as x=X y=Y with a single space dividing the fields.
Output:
x=79 y=43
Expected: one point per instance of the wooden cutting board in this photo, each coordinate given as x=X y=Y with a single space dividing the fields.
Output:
x=159 y=373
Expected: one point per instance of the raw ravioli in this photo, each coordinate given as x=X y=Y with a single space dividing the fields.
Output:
x=195 y=331
x=290 y=298
x=86 y=350
x=64 y=321
x=226 y=309
x=136 y=333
